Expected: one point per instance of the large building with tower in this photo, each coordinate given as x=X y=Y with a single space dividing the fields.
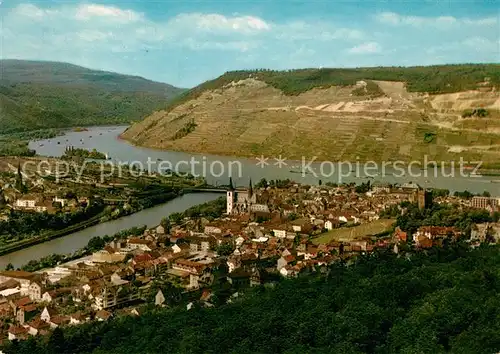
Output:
x=242 y=200
x=424 y=198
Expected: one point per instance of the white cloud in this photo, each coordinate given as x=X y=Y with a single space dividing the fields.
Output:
x=100 y=26
x=394 y=19
x=476 y=45
x=389 y=18
x=90 y=35
x=476 y=42
x=345 y=33
x=366 y=48
x=89 y=11
x=218 y=23
x=300 y=30
x=32 y=11
x=487 y=21
x=120 y=39
x=242 y=46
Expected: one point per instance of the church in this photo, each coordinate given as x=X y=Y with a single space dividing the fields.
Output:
x=241 y=200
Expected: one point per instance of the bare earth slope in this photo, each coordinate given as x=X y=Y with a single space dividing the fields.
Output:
x=249 y=118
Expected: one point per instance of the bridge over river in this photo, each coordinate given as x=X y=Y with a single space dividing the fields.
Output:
x=208 y=189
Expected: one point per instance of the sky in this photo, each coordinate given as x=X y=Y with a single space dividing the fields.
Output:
x=185 y=42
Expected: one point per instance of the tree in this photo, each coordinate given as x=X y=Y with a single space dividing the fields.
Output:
x=440 y=193
x=262 y=183
x=486 y=194
x=71 y=195
x=56 y=341
x=363 y=187
x=296 y=239
x=465 y=194
x=20 y=186
x=165 y=222
x=9 y=266
x=3 y=202
x=96 y=243
x=426 y=314
x=490 y=235
x=176 y=218
x=225 y=249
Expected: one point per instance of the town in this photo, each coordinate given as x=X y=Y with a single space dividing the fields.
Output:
x=38 y=203
x=255 y=236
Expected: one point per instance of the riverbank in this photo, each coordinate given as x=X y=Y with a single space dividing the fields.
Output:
x=17 y=144
x=212 y=209
x=495 y=167
x=95 y=244
x=80 y=226
x=216 y=169
x=51 y=236
x=30 y=214
x=79 y=239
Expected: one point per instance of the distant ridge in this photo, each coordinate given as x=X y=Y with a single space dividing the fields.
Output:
x=43 y=94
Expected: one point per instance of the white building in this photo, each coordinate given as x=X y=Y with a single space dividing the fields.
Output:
x=328 y=225
x=61 y=201
x=280 y=233
x=25 y=203
x=243 y=201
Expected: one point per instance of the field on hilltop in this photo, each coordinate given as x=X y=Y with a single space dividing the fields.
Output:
x=347 y=234
x=336 y=114
x=38 y=95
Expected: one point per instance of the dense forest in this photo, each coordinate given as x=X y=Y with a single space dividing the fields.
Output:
x=438 y=215
x=78 y=153
x=209 y=210
x=431 y=79
x=16 y=144
x=37 y=95
x=443 y=300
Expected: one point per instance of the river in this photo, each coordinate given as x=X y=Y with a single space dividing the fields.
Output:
x=70 y=243
x=217 y=169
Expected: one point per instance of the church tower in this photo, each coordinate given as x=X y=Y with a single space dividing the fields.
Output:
x=230 y=197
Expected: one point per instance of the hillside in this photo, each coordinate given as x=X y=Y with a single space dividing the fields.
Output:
x=335 y=114
x=441 y=301
x=35 y=95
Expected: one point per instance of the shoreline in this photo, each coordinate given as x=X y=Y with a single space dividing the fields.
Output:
x=319 y=160
x=95 y=220
x=51 y=235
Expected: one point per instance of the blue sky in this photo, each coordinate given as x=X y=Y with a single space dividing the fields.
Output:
x=187 y=42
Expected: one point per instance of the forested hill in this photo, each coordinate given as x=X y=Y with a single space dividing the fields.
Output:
x=335 y=114
x=425 y=79
x=35 y=94
x=443 y=300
